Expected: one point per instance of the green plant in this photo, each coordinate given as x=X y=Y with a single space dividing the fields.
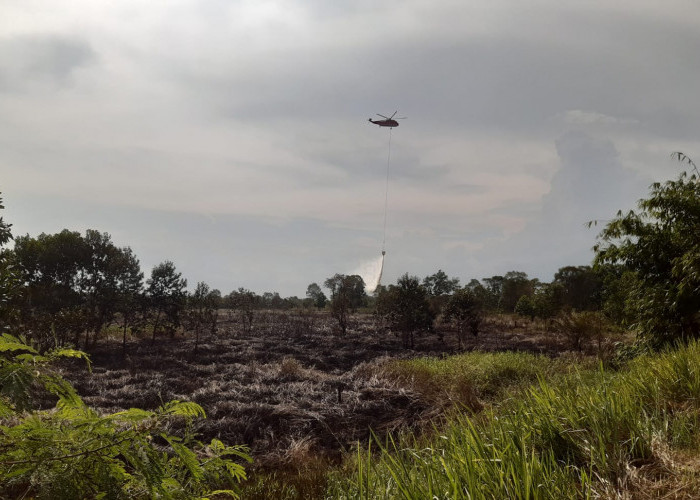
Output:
x=71 y=451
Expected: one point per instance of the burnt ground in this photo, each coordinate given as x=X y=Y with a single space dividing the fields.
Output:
x=276 y=388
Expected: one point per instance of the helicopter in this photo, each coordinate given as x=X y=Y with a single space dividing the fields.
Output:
x=388 y=121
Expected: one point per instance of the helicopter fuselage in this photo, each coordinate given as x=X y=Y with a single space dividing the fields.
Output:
x=385 y=123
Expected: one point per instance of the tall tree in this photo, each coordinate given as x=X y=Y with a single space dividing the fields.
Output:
x=659 y=244
x=440 y=284
x=347 y=294
x=201 y=311
x=582 y=287
x=515 y=285
x=405 y=306
x=245 y=303
x=129 y=291
x=51 y=269
x=9 y=282
x=314 y=292
x=166 y=294
x=465 y=309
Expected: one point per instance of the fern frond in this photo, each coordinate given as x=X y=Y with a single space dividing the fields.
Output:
x=184 y=409
x=187 y=456
x=70 y=353
x=8 y=343
x=132 y=415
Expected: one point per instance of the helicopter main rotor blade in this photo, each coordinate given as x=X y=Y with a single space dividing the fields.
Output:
x=385 y=117
x=392 y=116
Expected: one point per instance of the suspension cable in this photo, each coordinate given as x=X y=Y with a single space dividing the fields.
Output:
x=386 y=194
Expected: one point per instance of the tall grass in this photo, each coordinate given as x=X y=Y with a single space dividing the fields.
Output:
x=580 y=437
x=471 y=379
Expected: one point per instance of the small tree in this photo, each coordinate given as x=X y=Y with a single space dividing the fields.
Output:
x=525 y=307
x=406 y=308
x=201 y=312
x=245 y=303
x=347 y=294
x=465 y=308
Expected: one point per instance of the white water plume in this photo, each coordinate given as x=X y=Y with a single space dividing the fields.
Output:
x=371 y=272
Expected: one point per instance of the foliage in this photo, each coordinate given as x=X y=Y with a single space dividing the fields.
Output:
x=347 y=294
x=166 y=294
x=406 y=308
x=582 y=287
x=515 y=285
x=201 y=313
x=548 y=300
x=440 y=284
x=245 y=303
x=9 y=289
x=659 y=243
x=72 y=284
x=73 y=452
x=314 y=292
x=526 y=307
x=465 y=308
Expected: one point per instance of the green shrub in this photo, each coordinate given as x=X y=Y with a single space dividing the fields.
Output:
x=71 y=451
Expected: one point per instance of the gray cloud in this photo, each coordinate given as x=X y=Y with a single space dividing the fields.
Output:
x=231 y=137
x=591 y=184
x=42 y=58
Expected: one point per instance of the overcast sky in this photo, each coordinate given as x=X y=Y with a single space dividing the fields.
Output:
x=231 y=137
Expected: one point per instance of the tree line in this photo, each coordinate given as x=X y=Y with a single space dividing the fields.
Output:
x=68 y=288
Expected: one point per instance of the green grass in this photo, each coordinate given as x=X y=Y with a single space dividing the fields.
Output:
x=472 y=379
x=588 y=434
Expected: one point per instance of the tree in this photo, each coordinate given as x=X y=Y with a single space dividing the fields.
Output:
x=201 y=311
x=246 y=303
x=111 y=279
x=166 y=294
x=659 y=244
x=515 y=284
x=548 y=300
x=405 y=306
x=50 y=269
x=493 y=287
x=440 y=284
x=9 y=289
x=129 y=290
x=465 y=308
x=582 y=287
x=72 y=284
x=314 y=292
x=525 y=307
x=347 y=294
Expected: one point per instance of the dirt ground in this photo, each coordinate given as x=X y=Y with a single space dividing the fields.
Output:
x=291 y=383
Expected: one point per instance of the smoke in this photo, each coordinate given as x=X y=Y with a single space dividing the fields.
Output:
x=370 y=271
